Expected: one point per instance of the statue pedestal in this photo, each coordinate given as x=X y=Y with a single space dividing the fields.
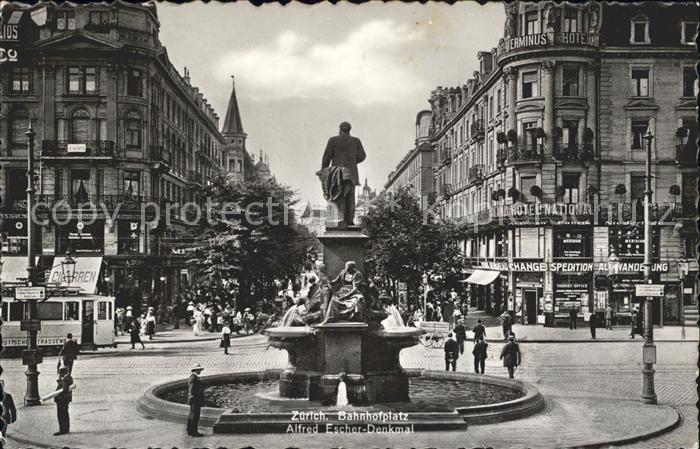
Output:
x=342 y=245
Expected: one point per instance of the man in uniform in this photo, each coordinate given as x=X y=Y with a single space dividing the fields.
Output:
x=63 y=399
x=195 y=398
x=345 y=151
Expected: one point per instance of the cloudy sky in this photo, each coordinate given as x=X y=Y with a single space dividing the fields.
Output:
x=301 y=70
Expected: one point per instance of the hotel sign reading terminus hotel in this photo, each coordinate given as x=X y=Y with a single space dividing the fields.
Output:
x=547 y=39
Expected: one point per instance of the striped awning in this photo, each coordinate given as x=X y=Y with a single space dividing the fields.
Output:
x=483 y=277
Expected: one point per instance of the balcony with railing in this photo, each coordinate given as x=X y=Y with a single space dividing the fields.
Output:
x=525 y=153
x=98 y=203
x=159 y=153
x=476 y=174
x=573 y=152
x=78 y=149
x=627 y=213
x=477 y=130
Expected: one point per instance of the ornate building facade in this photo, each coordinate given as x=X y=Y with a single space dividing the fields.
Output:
x=117 y=127
x=415 y=170
x=541 y=157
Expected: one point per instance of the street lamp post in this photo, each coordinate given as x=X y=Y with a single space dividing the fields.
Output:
x=33 y=359
x=31 y=356
x=649 y=349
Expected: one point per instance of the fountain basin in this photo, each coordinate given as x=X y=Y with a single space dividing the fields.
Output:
x=261 y=409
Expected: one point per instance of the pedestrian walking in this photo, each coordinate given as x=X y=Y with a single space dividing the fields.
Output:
x=636 y=323
x=593 y=324
x=451 y=353
x=226 y=337
x=190 y=313
x=457 y=314
x=9 y=412
x=63 y=400
x=506 y=324
x=461 y=335
x=573 y=314
x=608 y=317
x=510 y=354
x=195 y=398
x=150 y=324
x=448 y=312
x=479 y=331
x=135 y=334
x=69 y=352
x=479 y=352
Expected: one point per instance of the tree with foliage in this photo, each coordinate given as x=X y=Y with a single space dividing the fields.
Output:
x=405 y=241
x=249 y=242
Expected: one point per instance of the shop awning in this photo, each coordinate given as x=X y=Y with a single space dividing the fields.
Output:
x=87 y=271
x=483 y=277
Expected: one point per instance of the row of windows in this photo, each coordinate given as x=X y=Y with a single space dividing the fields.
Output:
x=640 y=82
x=54 y=311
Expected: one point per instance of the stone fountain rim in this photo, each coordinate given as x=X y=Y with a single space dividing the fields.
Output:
x=307 y=331
x=530 y=403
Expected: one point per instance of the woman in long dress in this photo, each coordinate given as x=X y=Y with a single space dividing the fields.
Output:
x=150 y=324
x=198 y=319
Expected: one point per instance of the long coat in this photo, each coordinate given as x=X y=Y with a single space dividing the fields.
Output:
x=195 y=391
x=511 y=354
x=344 y=150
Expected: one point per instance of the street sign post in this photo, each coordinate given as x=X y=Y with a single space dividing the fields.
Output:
x=649 y=290
x=29 y=293
x=31 y=357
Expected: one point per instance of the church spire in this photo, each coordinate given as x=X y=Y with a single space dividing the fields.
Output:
x=232 y=122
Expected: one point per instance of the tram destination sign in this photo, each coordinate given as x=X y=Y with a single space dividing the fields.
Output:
x=29 y=293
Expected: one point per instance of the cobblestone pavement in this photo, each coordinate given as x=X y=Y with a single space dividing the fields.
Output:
x=592 y=392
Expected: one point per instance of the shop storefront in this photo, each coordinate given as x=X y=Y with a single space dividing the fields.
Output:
x=529 y=306
x=572 y=291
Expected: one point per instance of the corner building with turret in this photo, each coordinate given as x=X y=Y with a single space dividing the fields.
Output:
x=117 y=126
x=541 y=158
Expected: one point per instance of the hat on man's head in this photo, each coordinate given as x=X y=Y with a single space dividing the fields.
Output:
x=478 y=321
x=62 y=369
x=511 y=337
x=197 y=367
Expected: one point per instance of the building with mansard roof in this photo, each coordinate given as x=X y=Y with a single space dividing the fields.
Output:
x=116 y=125
x=540 y=156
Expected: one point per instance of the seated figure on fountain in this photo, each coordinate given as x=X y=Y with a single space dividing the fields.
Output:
x=295 y=314
x=347 y=302
x=310 y=309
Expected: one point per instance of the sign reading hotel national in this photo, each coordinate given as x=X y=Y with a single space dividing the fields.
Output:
x=619 y=267
x=545 y=39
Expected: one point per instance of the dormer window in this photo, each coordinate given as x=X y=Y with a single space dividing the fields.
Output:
x=65 y=20
x=689 y=31
x=639 y=30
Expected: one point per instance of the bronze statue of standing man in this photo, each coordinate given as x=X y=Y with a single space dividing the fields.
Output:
x=339 y=173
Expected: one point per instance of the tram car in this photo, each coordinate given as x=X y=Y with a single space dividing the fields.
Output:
x=90 y=318
x=73 y=308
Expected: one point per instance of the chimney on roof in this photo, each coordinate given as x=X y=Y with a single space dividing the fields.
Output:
x=187 y=76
